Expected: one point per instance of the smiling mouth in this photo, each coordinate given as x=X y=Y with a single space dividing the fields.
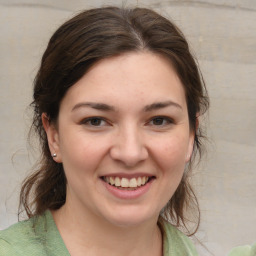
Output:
x=127 y=184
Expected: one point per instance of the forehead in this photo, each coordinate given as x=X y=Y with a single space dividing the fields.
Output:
x=137 y=77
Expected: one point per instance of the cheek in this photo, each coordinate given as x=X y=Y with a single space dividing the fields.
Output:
x=171 y=151
x=81 y=154
x=170 y=160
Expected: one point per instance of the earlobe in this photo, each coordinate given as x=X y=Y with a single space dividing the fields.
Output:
x=52 y=137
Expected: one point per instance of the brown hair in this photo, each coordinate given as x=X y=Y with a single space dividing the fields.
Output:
x=78 y=44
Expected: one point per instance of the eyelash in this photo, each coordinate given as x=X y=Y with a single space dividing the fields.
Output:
x=166 y=120
x=88 y=121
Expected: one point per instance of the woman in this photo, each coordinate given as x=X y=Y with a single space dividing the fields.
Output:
x=116 y=105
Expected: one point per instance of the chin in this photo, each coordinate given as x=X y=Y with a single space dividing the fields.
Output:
x=131 y=218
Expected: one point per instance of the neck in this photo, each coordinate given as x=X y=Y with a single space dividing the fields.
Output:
x=85 y=233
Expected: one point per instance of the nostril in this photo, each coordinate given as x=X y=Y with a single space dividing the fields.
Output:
x=130 y=152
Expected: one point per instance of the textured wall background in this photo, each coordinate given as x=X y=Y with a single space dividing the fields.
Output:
x=222 y=34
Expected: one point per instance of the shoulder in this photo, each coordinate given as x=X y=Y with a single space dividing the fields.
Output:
x=22 y=237
x=245 y=250
x=175 y=242
x=17 y=232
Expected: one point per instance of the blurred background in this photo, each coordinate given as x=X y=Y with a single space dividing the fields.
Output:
x=221 y=33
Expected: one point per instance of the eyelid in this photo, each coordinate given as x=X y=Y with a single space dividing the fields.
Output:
x=166 y=118
x=86 y=121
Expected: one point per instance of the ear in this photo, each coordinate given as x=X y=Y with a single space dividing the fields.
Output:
x=192 y=140
x=52 y=137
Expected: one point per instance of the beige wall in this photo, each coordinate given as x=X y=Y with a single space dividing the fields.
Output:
x=223 y=36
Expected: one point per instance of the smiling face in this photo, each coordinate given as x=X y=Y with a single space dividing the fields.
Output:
x=123 y=137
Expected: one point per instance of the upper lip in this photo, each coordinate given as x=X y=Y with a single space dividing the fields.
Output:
x=128 y=175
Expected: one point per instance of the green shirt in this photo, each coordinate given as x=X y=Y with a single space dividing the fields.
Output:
x=39 y=236
x=245 y=250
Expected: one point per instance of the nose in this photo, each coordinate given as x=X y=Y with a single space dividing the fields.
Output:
x=129 y=147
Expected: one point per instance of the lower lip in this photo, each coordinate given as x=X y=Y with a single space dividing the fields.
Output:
x=128 y=194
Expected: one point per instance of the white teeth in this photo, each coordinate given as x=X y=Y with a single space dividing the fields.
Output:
x=117 y=182
x=112 y=181
x=139 y=181
x=126 y=183
x=133 y=183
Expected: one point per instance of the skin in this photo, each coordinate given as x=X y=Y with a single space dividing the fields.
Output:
x=131 y=136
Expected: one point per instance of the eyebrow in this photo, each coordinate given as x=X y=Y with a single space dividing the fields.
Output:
x=106 y=107
x=98 y=106
x=160 y=105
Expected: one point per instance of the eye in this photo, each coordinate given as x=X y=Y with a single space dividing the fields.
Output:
x=160 y=121
x=94 y=121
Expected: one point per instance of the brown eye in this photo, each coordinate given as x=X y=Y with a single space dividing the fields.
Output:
x=94 y=121
x=160 y=121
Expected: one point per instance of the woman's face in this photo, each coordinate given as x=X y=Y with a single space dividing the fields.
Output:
x=123 y=137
